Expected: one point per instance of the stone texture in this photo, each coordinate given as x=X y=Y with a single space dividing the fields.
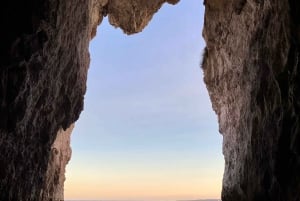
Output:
x=133 y=15
x=59 y=158
x=251 y=69
x=43 y=69
x=44 y=62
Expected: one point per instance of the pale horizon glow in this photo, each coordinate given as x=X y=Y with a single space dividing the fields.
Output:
x=147 y=131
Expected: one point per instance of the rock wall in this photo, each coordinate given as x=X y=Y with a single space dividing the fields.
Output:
x=251 y=69
x=44 y=62
x=43 y=69
x=59 y=158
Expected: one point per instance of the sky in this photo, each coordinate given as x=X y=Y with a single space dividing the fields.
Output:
x=147 y=131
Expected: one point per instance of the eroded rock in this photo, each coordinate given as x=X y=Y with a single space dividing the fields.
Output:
x=252 y=74
x=43 y=69
x=59 y=158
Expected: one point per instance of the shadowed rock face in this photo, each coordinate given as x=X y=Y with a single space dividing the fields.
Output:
x=43 y=68
x=252 y=74
x=251 y=68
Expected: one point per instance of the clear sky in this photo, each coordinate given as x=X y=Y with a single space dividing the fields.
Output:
x=147 y=131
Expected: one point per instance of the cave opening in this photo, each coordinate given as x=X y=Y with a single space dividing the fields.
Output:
x=251 y=71
x=147 y=131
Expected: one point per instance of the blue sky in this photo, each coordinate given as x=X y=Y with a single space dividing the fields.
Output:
x=147 y=129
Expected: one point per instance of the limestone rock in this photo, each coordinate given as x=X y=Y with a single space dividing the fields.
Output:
x=59 y=158
x=252 y=72
x=133 y=15
x=43 y=69
x=44 y=62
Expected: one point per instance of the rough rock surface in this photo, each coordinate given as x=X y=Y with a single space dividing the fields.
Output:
x=252 y=69
x=59 y=157
x=43 y=69
x=44 y=62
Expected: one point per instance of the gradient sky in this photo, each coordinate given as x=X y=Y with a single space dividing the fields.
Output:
x=147 y=131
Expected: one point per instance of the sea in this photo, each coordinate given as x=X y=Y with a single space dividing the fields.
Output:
x=143 y=200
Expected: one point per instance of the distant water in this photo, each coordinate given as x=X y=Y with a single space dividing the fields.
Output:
x=142 y=200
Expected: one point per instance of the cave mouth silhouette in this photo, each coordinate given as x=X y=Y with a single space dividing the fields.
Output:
x=133 y=113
